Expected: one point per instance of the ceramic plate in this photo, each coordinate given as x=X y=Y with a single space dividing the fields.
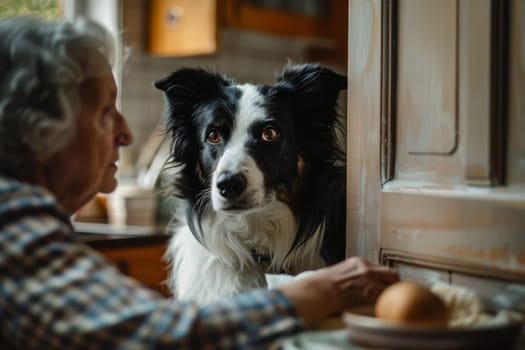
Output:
x=370 y=331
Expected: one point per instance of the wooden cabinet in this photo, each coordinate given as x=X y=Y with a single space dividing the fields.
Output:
x=189 y=27
x=315 y=19
x=182 y=27
x=142 y=262
x=324 y=23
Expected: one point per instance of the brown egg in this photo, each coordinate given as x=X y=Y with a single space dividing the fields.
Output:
x=408 y=302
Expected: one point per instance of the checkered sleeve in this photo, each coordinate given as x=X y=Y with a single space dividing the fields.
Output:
x=58 y=294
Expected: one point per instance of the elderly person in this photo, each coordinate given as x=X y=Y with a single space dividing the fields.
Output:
x=60 y=134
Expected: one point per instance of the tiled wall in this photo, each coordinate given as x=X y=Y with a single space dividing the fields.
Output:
x=243 y=56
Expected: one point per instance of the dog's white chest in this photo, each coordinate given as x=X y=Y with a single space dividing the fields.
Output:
x=199 y=275
x=226 y=267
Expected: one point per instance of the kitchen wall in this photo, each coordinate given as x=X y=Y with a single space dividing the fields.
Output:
x=242 y=55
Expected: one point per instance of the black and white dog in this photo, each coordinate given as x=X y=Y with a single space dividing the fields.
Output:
x=261 y=176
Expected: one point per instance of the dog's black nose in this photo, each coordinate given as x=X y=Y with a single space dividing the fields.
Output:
x=231 y=185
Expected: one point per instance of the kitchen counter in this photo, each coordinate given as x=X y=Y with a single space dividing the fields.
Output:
x=136 y=251
x=102 y=236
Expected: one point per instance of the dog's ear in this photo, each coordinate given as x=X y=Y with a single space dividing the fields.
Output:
x=188 y=86
x=185 y=89
x=315 y=90
x=316 y=84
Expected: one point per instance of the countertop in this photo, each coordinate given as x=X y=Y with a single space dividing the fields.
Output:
x=102 y=236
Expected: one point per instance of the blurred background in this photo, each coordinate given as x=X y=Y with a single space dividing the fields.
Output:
x=248 y=40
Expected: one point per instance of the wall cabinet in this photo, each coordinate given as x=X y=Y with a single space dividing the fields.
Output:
x=182 y=27
x=189 y=27
x=313 y=19
x=323 y=23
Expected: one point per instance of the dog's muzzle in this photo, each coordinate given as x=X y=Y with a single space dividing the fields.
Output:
x=231 y=185
x=237 y=184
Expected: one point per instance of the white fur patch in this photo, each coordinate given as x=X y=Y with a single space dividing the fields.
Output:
x=235 y=158
x=226 y=266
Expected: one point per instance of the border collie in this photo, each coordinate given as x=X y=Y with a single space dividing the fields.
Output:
x=261 y=177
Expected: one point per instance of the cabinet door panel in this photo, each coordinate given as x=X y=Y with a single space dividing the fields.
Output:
x=434 y=173
x=426 y=87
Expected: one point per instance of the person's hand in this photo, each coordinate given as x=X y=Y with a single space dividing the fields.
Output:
x=358 y=281
x=331 y=290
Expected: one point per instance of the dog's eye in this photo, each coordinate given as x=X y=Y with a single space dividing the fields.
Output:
x=214 y=136
x=270 y=134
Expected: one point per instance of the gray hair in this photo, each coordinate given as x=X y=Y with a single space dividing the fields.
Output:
x=41 y=62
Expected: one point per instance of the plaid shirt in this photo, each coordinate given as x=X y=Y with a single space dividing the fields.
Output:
x=56 y=293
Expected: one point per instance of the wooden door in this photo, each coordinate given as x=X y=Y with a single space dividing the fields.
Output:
x=436 y=138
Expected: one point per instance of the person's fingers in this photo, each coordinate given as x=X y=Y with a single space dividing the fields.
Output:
x=372 y=292
x=356 y=272
x=378 y=271
x=390 y=277
x=368 y=281
x=386 y=274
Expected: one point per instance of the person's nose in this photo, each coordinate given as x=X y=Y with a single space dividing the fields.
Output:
x=124 y=134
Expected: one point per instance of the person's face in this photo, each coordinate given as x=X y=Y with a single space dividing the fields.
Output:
x=87 y=165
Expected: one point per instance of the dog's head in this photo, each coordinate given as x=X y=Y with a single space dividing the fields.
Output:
x=242 y=146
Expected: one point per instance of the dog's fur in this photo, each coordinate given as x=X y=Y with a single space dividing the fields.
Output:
x=261 y=176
